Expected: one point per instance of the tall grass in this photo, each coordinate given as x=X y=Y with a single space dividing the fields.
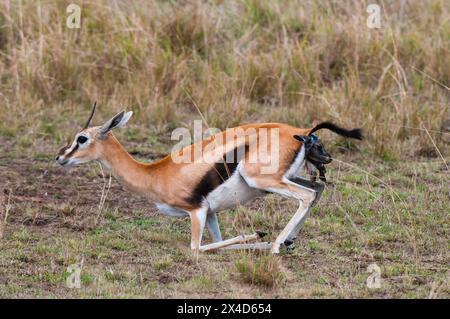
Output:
x=239 y=61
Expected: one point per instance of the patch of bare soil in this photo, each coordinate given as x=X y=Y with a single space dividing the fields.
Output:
x=43 y=194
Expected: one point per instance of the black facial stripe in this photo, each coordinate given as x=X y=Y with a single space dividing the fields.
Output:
x=72 y=151
x=62 y=150
x=217 y=175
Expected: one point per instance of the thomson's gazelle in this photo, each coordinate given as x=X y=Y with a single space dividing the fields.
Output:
x=251 y=160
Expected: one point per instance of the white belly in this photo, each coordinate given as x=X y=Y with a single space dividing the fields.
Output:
x=170 y=211
x=235 y=191
x=232 y=193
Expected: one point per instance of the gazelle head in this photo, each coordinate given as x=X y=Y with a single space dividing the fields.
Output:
x=315 y=151
x=89 y=142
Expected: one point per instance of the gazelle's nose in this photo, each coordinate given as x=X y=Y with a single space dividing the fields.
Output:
x=61 y=160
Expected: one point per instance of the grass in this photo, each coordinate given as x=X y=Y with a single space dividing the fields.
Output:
x=239 y=61
x=263 y=270
x=133 y=251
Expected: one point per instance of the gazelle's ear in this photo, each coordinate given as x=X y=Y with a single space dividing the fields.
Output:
x=118 y=120
x=302 y=138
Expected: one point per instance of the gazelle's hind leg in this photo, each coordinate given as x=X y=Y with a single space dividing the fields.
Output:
x=294 y=224
x=318 y=187
x=304 y=194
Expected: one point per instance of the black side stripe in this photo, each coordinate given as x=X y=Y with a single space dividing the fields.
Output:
x=217 y=175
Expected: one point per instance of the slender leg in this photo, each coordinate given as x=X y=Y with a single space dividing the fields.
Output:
x=298 y=218
x=231 y=241
x=306 y=197
x=213 y=226
x=318 y=187
x=302 y=192
x=253 y=246
x=289 y=241
x=198 y=220
x=306 y=202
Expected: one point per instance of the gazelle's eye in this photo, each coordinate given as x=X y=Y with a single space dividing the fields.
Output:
x=81 y=139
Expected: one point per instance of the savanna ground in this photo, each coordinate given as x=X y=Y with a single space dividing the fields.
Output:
x=234 y=62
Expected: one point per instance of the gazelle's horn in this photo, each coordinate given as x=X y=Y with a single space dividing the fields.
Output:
x=90 y=116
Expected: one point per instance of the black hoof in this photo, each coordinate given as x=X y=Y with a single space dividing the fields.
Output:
x=288 y=242
x=261 y=234
x=289 y=245
x=290 y=248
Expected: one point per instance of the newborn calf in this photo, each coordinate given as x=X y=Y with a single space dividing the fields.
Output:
x=316 y=156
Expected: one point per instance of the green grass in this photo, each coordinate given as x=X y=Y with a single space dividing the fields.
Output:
x=133 y=251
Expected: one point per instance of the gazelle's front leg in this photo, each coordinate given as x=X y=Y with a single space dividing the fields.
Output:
x=213 y=226
x=198 y=221
x=252 y=246
x=232 y=241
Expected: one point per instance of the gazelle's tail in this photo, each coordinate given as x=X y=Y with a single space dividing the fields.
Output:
x=355 y=133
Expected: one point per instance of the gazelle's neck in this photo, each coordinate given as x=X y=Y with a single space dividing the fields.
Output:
x=136 y=176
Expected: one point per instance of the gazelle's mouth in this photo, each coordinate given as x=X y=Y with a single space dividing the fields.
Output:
x=61 y=161
x=321 y=160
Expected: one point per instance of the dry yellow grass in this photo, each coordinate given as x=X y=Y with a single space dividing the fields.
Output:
x=240 y=61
